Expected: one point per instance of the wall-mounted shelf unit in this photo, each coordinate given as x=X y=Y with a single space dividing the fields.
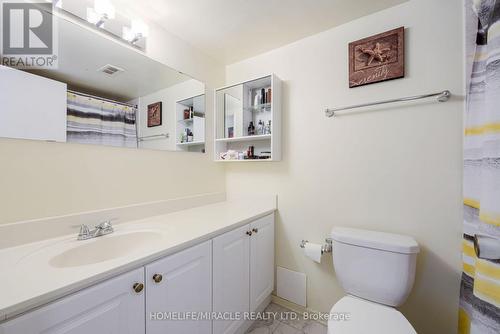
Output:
x=248 y=115
x=190 y=117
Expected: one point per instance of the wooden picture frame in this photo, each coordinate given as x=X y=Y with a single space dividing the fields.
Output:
x=154 y=114
x=377 y=58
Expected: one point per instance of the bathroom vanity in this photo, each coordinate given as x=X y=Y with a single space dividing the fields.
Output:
x=185 y=267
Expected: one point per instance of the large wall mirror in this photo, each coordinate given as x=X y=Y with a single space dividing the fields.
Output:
x=103 y=92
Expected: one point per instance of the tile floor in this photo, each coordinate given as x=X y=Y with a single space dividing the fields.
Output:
x=285 y=321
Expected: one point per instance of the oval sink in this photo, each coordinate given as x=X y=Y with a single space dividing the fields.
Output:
x=105 y=248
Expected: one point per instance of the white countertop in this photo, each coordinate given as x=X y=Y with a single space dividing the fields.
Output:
x=28 y=280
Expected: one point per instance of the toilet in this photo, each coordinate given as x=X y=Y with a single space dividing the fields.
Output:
x=377 y=271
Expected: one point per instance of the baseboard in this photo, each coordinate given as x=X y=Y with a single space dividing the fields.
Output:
x=296 y=308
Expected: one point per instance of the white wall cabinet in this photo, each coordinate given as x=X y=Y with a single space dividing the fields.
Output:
x=248 y=115
x=180 y=283
x=233 y=272
x=42 y=116
x=109 y=307
x=243 y=271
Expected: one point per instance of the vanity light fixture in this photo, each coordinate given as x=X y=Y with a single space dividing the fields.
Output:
x=103 y=10
x=138 y=30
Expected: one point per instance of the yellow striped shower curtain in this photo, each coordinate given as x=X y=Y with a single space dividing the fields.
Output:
x=480 y=287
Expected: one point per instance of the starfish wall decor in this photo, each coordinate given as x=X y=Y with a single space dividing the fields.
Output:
x=377 y=58
x=377 y=53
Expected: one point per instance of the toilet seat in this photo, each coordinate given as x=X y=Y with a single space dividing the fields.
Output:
x=367 y=317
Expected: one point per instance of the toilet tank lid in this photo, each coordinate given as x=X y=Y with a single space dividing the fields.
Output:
x=378 y=240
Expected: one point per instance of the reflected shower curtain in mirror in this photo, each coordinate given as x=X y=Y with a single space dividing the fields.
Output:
x=480 y=287
x=95 y=121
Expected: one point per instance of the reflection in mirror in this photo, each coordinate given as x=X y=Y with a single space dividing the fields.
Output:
x=233 y=112
x=103 y=92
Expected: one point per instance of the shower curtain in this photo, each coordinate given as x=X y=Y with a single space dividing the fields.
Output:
x=479 y=310
x=95 y=121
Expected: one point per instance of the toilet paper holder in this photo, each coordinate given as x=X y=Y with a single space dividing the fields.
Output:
x=325 y=248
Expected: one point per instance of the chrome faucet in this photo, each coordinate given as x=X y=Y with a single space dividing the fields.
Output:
x=101 y=229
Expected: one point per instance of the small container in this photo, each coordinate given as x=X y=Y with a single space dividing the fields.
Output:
x=265 y=155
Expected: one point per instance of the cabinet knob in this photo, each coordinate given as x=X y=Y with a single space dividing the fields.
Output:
x=255 y=230
x=138 y=287
x=157 y=278
x=249 y=233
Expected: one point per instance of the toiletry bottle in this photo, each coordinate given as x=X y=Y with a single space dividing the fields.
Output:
x=269 y=95
x=256 y=100
x=262 y=96
x=260 y=128
x=267 y=130
x=251 y=129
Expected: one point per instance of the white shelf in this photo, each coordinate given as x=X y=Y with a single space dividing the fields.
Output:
x=191 y=143
x=247 y=160
x=246 y=138
x=260 y=107
x=186 y=120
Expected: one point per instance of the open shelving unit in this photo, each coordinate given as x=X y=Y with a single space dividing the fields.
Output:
x=195 y=123
x=256 y=102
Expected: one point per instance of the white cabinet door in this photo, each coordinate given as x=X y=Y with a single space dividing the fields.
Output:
x=184 y=288
x=31 y=106
x=261 y=260
x=111 y=307
x=231 y=277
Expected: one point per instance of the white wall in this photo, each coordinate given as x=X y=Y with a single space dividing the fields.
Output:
x=39 y=179
x=394 y=168
x=169 y=97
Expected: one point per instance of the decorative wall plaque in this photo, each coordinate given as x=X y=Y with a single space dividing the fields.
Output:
x=154 y=114
x=377 y=58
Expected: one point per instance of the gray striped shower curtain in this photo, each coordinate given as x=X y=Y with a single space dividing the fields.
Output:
x=95 y=121
x=479 y=310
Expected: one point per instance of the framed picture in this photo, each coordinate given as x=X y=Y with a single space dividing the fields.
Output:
x=154 y=114
x=377 y=58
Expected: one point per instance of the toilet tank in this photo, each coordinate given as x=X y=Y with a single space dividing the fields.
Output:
x=373 y=265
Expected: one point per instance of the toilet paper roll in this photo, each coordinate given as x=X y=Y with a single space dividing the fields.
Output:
x=313 y=251
x=487 y=247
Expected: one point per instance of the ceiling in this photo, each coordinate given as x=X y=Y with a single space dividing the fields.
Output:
x=82 y=52
x=232 y=30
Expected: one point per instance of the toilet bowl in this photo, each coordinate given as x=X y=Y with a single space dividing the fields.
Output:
x=358 y=316
x=377 y=271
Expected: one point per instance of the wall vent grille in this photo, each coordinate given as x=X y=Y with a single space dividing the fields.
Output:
x=110 y=69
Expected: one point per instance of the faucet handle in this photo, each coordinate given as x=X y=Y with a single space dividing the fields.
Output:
x=106 y=225
x=84 y=233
